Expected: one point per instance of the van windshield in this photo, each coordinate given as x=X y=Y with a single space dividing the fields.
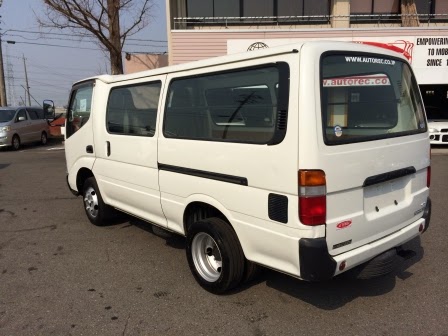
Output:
x=367 y=97
x=6 y=115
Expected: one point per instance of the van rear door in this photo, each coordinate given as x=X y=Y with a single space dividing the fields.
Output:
x=375 y=149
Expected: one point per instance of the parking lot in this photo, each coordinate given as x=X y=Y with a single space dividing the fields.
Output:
x=61 y=275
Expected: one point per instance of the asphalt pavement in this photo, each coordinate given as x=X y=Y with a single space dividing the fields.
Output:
x=60 y=275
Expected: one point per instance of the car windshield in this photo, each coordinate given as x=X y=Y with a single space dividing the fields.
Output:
x=6 y=115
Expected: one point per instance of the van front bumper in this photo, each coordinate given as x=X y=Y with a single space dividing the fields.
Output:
x=316 y=264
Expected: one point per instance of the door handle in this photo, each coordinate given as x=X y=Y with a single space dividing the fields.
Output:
x=108 y=148
x=89 y=149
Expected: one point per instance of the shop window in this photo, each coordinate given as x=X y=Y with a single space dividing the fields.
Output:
x=441 y=7
x=289 y=8
x=200 y=8
x=316 y=7
x=228 y=8
x=289 y=11
x=427 y=8
x=373 y=10
x=311 y=10
x=258 y=8
x=386 y=7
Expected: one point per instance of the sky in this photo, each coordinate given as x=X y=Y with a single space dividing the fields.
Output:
x=54 y=58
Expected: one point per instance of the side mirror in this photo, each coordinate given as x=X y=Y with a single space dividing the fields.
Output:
x=21 y=119
x=48 y=107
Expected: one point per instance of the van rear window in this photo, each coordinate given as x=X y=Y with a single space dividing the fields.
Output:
x=368 y=97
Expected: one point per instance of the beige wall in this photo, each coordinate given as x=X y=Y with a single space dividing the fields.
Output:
x=341 y=13
x=195 y=45
x=141 y=62
x=202 y=42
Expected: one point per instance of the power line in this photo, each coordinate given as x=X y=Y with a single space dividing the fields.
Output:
x=84 y=48
x=66 y=68
x=57 y=45
x=83 y=41
x=78 y=35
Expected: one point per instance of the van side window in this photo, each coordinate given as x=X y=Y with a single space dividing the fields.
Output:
x=79 y=109
x=238 y=106
x=33 y=115
x=132 y=110
x=40 y=113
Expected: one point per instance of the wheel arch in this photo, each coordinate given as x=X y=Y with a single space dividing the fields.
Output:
x=198 y=210
x=82 y=175
x=201 y=207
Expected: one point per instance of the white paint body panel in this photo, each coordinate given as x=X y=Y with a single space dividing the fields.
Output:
x=130 y=179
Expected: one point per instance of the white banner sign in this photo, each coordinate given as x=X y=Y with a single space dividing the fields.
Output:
x=427 y=54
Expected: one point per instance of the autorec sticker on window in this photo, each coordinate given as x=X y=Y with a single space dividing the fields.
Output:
x=372 y=60
x=370 y=80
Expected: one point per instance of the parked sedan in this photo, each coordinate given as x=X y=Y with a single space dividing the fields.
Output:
x=438 y=125
x=20 y=125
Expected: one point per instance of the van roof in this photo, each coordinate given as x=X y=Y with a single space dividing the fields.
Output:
x=289 y=48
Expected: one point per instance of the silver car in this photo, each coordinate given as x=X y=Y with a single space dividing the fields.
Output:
x=20 y=125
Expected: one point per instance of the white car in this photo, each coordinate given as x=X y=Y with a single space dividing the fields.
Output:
x=438 y=126
x=438 y=132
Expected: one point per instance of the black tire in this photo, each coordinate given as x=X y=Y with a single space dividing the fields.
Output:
x=15 y=143
x=97 y=211
x=43 y=138
x=214 y=255
x=251 y=271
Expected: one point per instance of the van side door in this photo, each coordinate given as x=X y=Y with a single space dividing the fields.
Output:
x=126 y=142
x=79 y=149
x=22 y=126
x=37 y=125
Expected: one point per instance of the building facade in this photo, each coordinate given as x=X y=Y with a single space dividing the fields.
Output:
x=199 y=29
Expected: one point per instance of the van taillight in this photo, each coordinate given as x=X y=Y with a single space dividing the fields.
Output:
x=428 y=176
x=312 y=197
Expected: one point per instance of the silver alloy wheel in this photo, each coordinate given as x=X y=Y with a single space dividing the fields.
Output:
x=43 y=139
x=206 y=257
x=91 y=202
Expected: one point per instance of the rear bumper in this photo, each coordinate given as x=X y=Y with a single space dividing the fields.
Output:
x=316 y=264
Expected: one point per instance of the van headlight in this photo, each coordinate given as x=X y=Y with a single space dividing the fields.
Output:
x=433 y=130
x=5 y=129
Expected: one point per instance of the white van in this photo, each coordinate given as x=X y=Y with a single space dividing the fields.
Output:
x=309 y=159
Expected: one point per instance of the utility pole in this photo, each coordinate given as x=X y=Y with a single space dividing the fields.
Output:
x=26 y=82
x=3 y=101
x=9 y=78
x=2 y=77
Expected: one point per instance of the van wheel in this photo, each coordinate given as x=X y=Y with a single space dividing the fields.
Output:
x=43 y=138
x=97 y=211
x=15 y=142
x=251 y=271
x=215 y=255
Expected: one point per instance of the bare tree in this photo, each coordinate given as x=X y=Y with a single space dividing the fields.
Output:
x=409 y=16
x=100 y=19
